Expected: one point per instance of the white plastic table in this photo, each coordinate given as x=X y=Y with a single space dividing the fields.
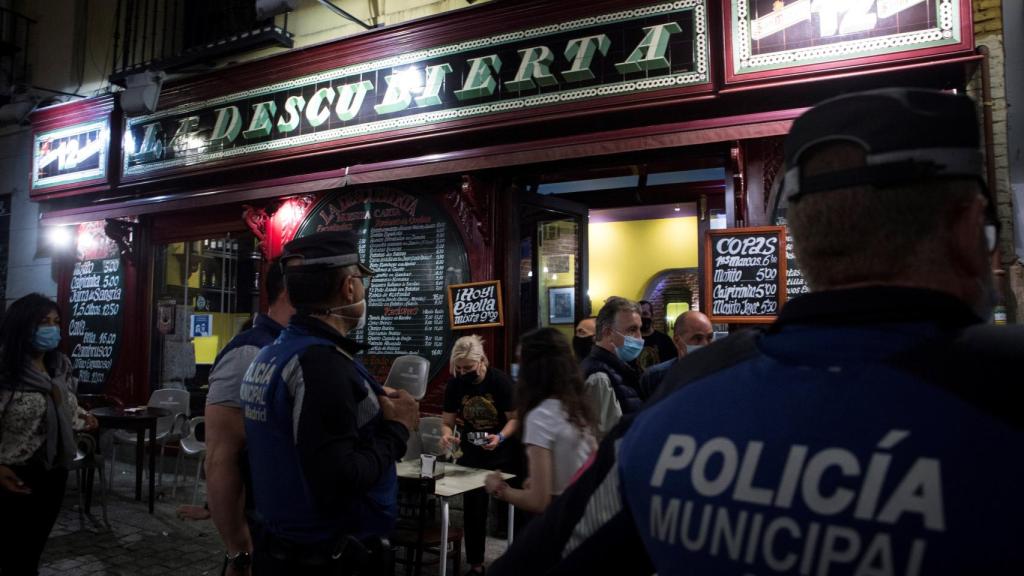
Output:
x=457 y=480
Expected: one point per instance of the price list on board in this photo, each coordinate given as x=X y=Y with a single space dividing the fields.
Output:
x=745 y=272
x=95 y=325
x=415 y=252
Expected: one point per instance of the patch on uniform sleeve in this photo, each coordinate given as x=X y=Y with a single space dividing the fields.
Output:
x=368 y=407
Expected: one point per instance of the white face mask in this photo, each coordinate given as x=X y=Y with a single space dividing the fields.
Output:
x=362 y=316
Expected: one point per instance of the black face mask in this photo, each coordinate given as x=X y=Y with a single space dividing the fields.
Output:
x=645 y=324
x=581 y=345
x=467 y=379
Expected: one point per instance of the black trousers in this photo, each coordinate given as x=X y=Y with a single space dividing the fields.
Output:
x=28 y=518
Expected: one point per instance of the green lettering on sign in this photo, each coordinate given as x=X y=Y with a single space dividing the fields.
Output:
x=316 y=112
x=581 y=52
x=435 y=79
x=262 y=120
x=534 y=68
x=187 y=128
x=480 y=80
x=227 y=126
x=293 y=108
x=650 y=54
x=350 y=99
x=398 y=96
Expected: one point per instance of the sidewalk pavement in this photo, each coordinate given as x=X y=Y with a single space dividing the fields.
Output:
x=139 y=544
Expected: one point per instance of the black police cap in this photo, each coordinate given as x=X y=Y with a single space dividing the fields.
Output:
x=323 y=250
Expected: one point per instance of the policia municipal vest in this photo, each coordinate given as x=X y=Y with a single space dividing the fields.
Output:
x=284 y=503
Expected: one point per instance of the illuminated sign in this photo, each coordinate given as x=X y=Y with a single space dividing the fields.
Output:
x=654 y=47
x=775 y=34
x=73 y=154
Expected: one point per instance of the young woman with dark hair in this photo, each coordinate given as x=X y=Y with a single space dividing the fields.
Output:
x=557 y=420
x=38 y=419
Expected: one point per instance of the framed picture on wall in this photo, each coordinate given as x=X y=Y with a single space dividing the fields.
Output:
x=561 y=304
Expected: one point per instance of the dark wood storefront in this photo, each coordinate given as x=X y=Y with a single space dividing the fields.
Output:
x=682 y=82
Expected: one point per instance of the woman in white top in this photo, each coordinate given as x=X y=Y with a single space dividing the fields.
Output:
x=557 y=430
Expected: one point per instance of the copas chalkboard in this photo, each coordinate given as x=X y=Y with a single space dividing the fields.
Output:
x=475 y=305
x=745 y=274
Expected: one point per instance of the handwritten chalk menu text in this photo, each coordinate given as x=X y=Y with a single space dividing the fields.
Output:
x=795 y=283
x=744 y=274
x=476 y=305
x=95 y=326
x=415 y=250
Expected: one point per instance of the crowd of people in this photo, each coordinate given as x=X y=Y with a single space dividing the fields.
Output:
x=870 y=430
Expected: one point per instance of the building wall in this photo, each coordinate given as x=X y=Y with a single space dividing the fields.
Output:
x=25 y=272
x=988 y=31
x=1013 y=37
x=71 y=50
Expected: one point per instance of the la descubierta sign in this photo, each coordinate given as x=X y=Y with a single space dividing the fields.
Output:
x=653 y=47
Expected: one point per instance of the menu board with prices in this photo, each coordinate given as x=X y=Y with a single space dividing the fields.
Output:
x=415 y=251
x=475 y=305
x=744 y=274
x=96 y=301
x=795 y=283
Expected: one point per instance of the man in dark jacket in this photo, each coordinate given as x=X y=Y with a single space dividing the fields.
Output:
x=609 y=377
x=323 y=435
x=874 y=428
x=691 y=332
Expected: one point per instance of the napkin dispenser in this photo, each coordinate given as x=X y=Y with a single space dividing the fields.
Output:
x=431 y=467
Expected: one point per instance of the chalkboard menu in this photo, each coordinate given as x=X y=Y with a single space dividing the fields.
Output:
x=795 y=283
x=744 y=274
x=415 y=249
x=96 y=298
x=475 y=305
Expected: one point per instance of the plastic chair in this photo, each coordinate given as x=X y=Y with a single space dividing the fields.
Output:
x=86 y=460
x=192 y=444
x=430 y=435
x=410 y=373
x=168 y=428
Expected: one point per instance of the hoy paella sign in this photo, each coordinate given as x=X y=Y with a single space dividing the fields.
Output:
x=648 y=48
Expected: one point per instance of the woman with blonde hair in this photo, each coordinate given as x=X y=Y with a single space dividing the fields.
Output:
x=478 y=400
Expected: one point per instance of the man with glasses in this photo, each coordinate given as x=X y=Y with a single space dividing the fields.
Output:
x=323 y=435
x=691 y=332
x=874 y=427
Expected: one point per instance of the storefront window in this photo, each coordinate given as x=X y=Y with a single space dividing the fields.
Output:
x=206 y=292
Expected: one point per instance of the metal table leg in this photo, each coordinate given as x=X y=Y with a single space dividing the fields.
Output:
x=152 y=461
x=511 y=522
x=444 y=536
x=140 y=454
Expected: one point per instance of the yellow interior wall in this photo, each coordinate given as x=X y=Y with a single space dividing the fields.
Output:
x=625 y=256
x=225 y=327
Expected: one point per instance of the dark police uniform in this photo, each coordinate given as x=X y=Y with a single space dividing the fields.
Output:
x=870 y=431
x=322 y=457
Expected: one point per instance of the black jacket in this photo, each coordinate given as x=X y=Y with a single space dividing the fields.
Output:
x=625 y=379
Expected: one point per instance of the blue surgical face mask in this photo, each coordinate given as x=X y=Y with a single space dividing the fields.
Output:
x=46 y=338
x=630 y=349
x=691 y=348
x=513 y=371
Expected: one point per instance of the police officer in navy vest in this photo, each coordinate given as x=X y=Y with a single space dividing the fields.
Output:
x=874 y=428
x=323 y=435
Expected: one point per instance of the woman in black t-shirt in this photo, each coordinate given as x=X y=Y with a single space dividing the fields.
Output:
x=478 y=400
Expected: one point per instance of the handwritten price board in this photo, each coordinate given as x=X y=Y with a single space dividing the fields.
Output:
x=745 y=274
x=475 y=305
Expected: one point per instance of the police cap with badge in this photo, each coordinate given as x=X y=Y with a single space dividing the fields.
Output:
x=306 y=262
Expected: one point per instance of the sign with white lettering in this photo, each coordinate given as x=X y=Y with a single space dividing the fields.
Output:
x=655 y=47
x=96 y=297
x=776 y=35
x=68 y=155
x=475 y=305
x=415 y=250
x=744 y=274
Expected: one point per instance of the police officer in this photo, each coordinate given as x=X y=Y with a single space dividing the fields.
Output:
x=323 y=435
x=873 y=428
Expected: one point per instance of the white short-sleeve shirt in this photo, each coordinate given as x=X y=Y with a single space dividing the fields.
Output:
x=548 y=426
